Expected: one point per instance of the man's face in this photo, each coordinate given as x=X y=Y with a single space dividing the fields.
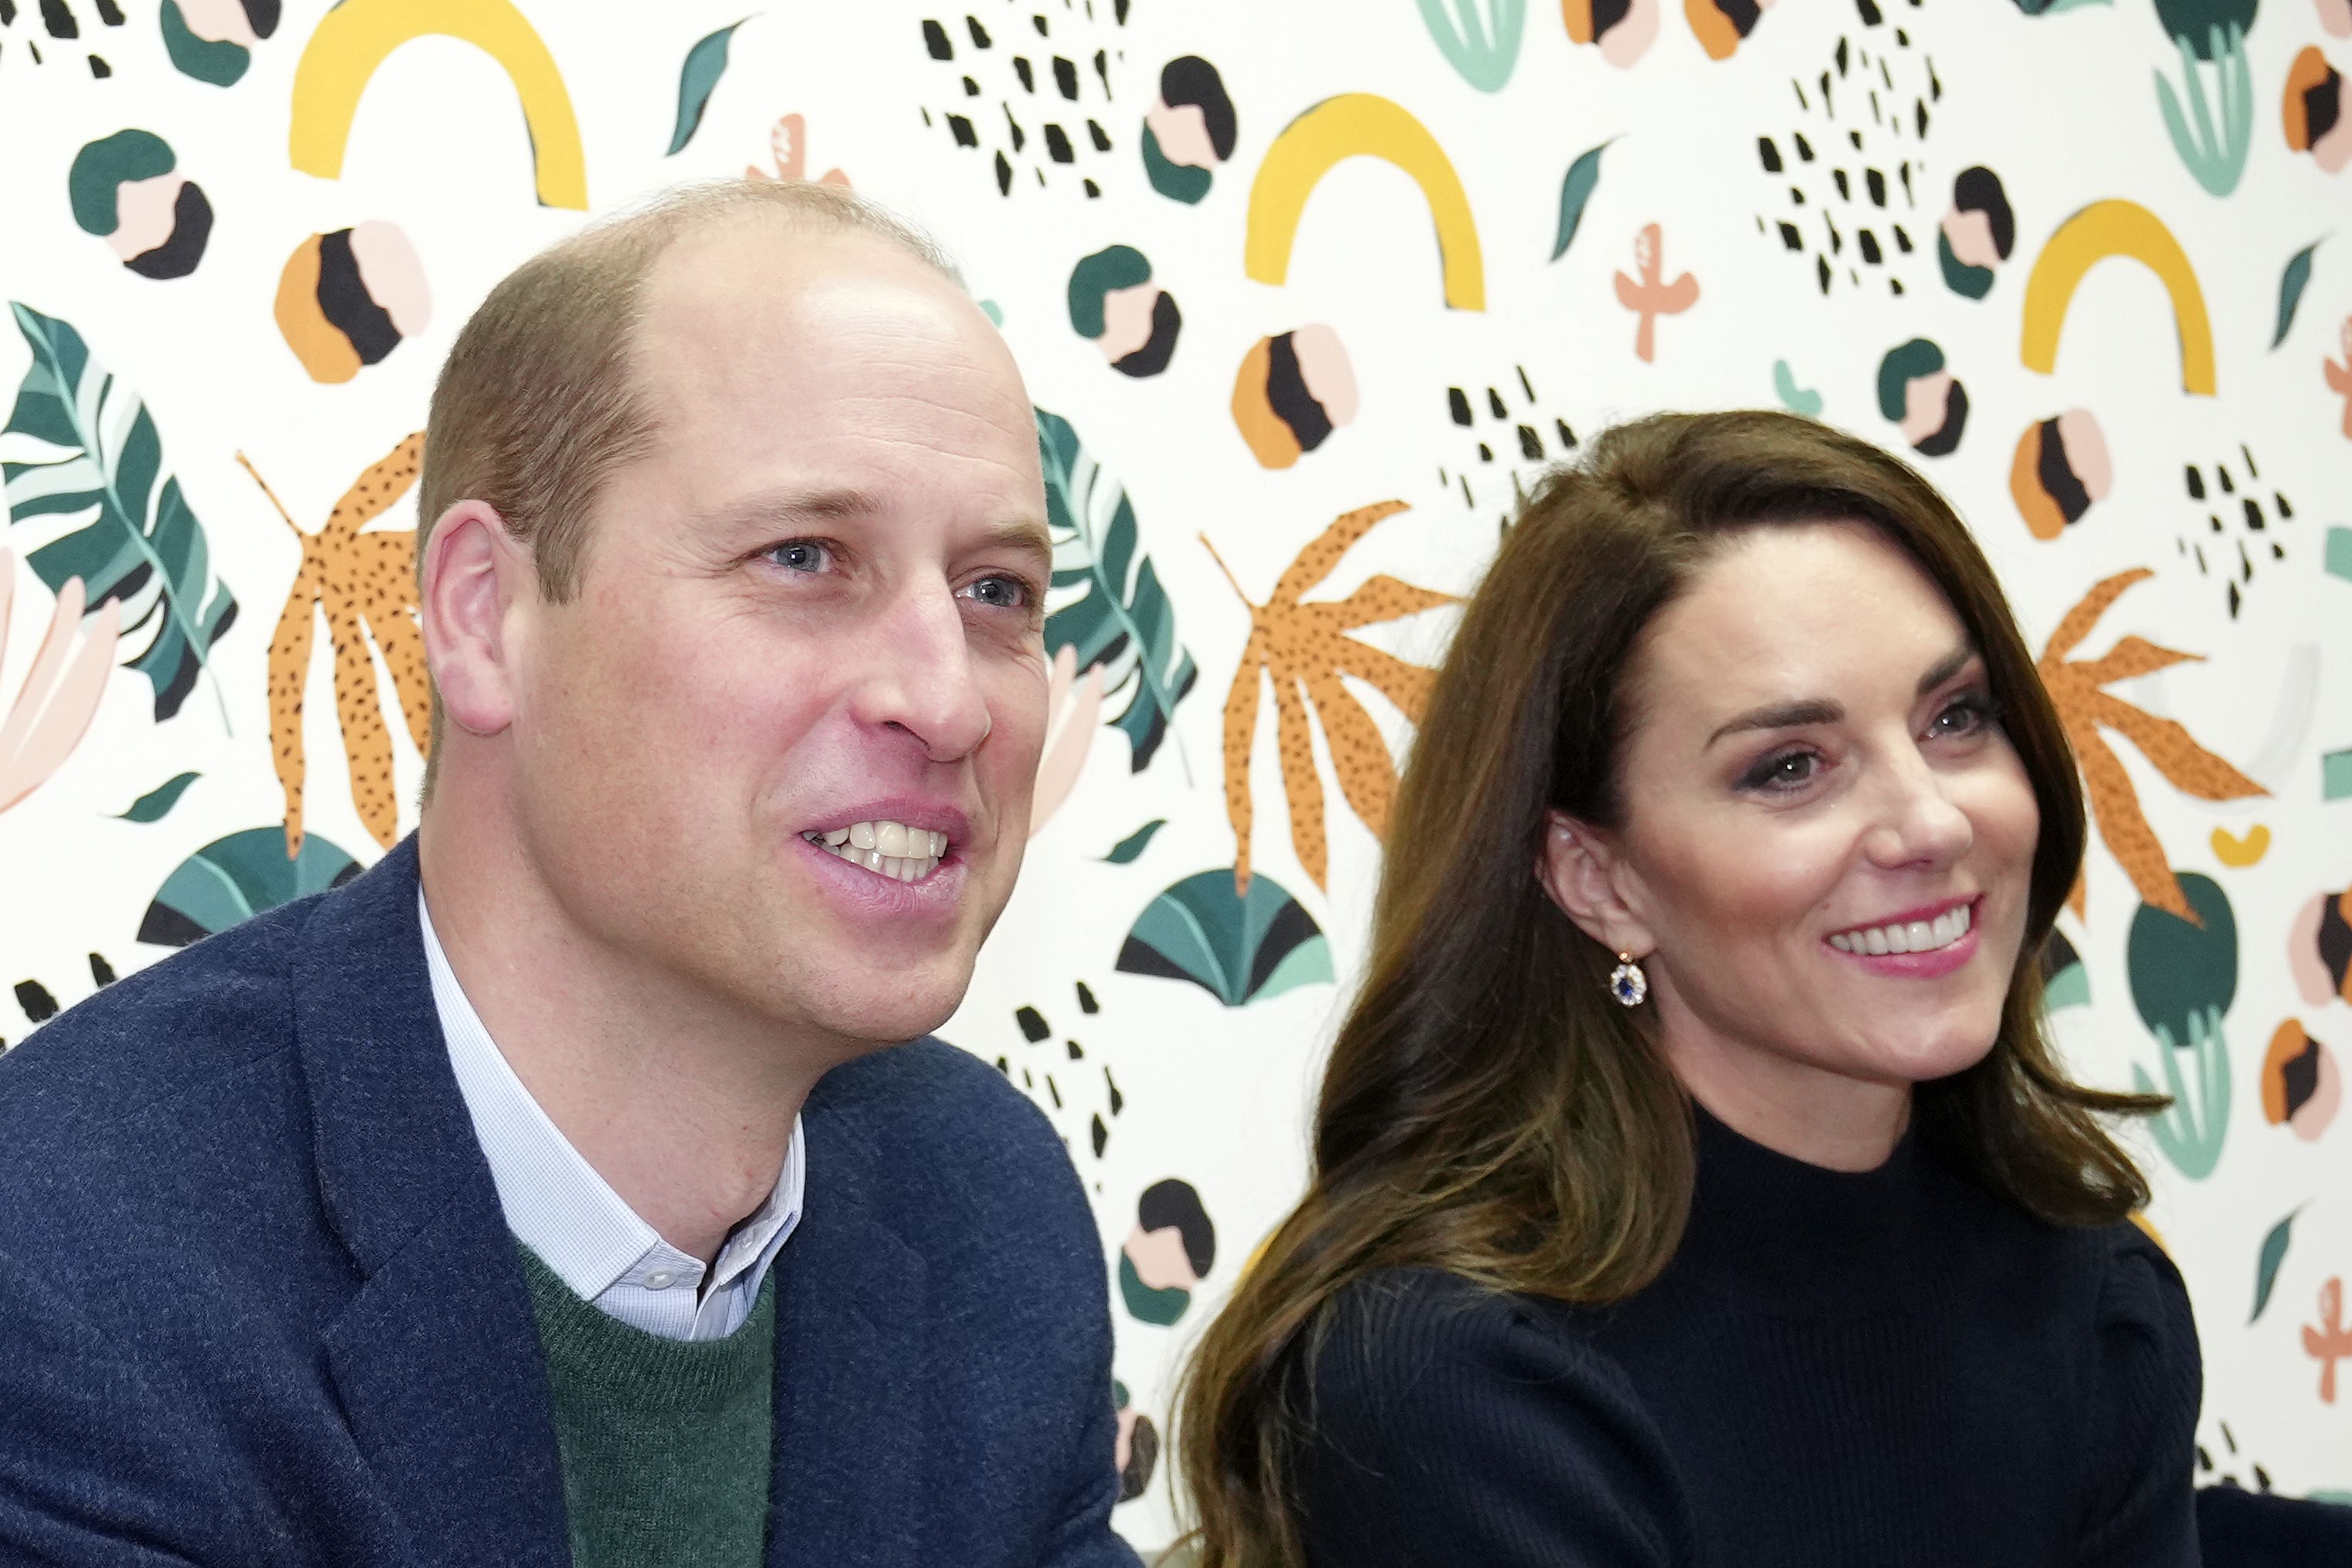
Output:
x=817 y=604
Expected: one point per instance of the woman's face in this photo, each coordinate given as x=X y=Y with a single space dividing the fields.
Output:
x=1828 y=839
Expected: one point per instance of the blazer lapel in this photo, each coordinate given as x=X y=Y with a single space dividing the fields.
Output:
x=850 y=1432
x=436 y=1358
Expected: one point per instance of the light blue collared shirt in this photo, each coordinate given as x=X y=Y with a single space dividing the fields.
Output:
x=561 y=1209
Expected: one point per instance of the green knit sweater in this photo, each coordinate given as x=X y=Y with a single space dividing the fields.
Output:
x=665 y=1443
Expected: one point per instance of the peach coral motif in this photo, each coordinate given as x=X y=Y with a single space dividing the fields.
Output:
x=1649 y=296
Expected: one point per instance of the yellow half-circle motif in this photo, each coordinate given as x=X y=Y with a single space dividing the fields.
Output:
x=2099 y=231
x=354 y=38
x=1360 y=124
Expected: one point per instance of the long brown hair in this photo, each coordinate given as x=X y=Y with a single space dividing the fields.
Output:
x=1489 y=1109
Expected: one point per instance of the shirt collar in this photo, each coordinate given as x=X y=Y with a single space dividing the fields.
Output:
x=556 y=1203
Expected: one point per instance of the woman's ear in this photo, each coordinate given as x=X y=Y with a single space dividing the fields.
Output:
x=1580 y=868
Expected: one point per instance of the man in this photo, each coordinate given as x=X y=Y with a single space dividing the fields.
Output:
x=560 y=1185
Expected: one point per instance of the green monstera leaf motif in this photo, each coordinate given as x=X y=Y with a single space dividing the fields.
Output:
x=1237 y=949
x=1106 y=602
x=237 y=878
x=81 y=452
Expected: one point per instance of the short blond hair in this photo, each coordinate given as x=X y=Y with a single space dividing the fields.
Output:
x=538 y=403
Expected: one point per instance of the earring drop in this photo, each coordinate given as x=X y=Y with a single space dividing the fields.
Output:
x=1627 y=983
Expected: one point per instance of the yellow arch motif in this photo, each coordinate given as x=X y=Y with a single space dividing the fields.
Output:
x=1360 y=124
x=353 y=40
x=2099 y=231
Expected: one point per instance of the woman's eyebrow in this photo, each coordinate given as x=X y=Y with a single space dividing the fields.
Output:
x=1782 y=716
x=1944 y=668
x=1822 y=710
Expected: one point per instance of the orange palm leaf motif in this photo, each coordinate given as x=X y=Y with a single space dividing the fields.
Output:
x=366 y=585
x=1304 y=649
x=2087 y=710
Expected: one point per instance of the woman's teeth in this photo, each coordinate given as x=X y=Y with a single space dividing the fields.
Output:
x=890 y=849
x=1914 y=937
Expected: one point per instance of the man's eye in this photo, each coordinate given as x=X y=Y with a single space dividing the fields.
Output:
x=1001 y=592
x=801 y=555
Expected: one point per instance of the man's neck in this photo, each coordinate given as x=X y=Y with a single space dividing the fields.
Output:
x=681 y=1102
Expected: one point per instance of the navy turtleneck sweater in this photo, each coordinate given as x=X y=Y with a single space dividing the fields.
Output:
x=1885 y=1370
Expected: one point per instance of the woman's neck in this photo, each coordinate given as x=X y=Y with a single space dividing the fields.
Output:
x=1791 y=1107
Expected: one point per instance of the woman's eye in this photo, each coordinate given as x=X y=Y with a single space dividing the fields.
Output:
x=1001 y=592
x=801 y=555
x=1787 y=771
x=1965 y=717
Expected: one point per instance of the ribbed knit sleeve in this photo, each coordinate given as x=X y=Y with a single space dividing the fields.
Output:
x=1456 y=1426
x=2146 y=1382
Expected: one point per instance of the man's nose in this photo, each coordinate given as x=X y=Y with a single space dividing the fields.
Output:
x=921 y=679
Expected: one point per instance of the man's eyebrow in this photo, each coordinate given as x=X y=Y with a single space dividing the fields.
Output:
x=1821 y=710
x=1024 y=536
x=790 y=509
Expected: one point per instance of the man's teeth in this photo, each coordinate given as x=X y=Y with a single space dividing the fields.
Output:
x=1914 y=937
x=890 y=849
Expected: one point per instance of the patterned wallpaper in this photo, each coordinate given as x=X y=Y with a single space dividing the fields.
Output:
x=1306 y=294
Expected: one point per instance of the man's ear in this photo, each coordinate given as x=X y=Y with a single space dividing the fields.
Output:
x=475 y=574
x=1580 y=868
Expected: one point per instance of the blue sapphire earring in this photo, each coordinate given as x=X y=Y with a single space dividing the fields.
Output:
x=1627 y=983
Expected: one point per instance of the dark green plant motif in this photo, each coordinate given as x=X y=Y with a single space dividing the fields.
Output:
x=234 y=879
x=1106 y=600
x=2210 y=33
x=2184 y=975
x=1236 y=947
x=92 y=463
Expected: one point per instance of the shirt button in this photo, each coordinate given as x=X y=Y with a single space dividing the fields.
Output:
x=660 y=1279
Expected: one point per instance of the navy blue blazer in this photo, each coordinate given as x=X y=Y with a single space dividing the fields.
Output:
x=259 y=1306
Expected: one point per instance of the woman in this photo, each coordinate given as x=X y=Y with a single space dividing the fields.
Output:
x=1693 y=1184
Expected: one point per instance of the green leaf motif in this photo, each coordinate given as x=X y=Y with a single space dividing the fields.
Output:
x=1794 y=398
x=1484 y=51
x=1106 y=602
x=698 y=78
x=1237 y=949
x=2215 y=153
x=1134 y=845
x=2291 y=282
x=2191 y=1129
x=1576 y=190
x=157 y=802
x=2266 y=1266
x=2180 y=972
x=89 y=457
x=237 y=878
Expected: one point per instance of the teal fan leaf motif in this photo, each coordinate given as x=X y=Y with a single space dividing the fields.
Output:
x=1106 y=602
x=237 y=878
x=89 y=457
x=2183 y=979
x=698 y=78
x=1484 y=50
x=1237 y=949
x=2215 y=153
